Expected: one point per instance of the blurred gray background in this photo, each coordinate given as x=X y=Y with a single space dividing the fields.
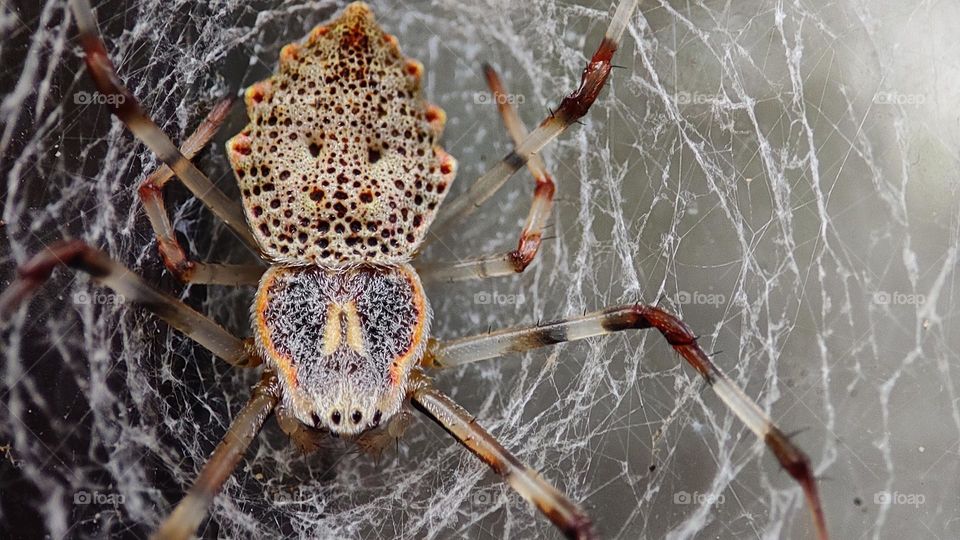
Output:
x=782 y=174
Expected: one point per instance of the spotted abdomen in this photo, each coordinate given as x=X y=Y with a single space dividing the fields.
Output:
x=340 y=163
x=343 y=342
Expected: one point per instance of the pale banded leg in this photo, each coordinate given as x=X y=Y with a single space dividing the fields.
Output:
x=130 y=288
x=563 y=512
x=515 y=261
x=571 y=108
x=173 y=255
x=471 y=349
x=128 y=110
x=187 y=516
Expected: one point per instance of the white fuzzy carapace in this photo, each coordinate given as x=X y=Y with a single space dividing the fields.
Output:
x=343 y=342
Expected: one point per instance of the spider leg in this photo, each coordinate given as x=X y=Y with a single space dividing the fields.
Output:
x=515 y=261
x=185 y=519
x=306 y=438
x=571 y=109
x=173 y=255
x=471 y=349
x=460 y=424
x=128 y=110
x=78 y=255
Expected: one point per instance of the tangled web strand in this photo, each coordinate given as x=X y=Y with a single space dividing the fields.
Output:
x=783 y=175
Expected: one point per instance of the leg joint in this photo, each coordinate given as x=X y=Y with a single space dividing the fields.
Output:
x=526 y=251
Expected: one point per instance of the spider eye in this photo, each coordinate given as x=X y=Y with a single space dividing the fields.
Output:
x=335 y=417
x=316 y=420
x=357 y=416
x=376 y=417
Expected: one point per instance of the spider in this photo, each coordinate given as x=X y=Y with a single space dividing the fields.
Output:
x=341 y=175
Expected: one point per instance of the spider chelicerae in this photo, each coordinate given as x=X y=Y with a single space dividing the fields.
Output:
x=341 y=175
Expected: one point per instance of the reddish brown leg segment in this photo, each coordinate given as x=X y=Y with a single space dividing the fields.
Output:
x=130 y=288
x=187 y=516
x=679 y=336
x=571 y=108
x=564 y=513
x=515 y=261
x=173 y=255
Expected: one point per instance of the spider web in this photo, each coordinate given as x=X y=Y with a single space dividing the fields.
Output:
x=781 y=174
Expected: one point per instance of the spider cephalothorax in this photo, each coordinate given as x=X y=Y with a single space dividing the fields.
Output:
x=343 y=342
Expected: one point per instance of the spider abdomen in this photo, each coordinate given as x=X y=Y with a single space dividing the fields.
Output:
x=340 y=163
x=343 y=341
